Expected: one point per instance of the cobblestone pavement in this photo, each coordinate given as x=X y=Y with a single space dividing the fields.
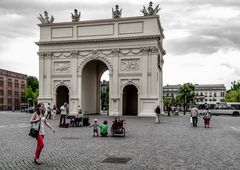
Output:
x=172 y=144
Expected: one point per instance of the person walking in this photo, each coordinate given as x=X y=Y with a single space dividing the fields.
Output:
x=54 y=111
x=63 y=110
x=38 y=120
x=194 y=115
x=206 y=117
x=157 y=111
x=49 y=111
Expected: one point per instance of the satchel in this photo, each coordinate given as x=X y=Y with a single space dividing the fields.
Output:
x=34 y=132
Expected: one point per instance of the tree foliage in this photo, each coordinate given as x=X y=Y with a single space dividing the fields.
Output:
x=233 y=95
x=186 y=95
x=32 y=90
x=33 y=83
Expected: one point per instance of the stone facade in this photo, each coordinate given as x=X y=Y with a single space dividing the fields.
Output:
x=74 y=55
x=12 y=86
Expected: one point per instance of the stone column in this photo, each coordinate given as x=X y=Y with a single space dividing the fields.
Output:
x=73 y=96
x=144 y=72
x=47 y=77
x=114 y=84
x=41 y=79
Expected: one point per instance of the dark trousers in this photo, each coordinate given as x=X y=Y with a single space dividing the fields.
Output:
x=48 y=115
x=195 y=121
x=62 y=120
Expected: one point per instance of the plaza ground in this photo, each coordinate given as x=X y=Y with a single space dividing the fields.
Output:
x=172 y=144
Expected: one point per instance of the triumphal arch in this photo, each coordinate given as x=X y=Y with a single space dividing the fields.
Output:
x=73 y=56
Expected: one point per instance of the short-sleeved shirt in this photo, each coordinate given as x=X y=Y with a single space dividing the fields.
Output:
x=104 y=129
x=63 y=110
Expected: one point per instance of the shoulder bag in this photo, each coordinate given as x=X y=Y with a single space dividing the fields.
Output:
x=34 y=132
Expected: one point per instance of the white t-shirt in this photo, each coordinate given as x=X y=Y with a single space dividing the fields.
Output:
x=63 y=110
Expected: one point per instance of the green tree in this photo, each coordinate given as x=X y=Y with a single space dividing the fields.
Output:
x=28 y=93
x=105 y=96
x=33 y=83
x=186 y=95
x=233 y=95
x=31 y=91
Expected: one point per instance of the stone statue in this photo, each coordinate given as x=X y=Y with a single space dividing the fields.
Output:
x=76 y=16
x=150 y=10
x=46 y=20
x=116 y=14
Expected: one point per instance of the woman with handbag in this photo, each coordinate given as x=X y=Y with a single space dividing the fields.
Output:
x=38 y=120
x=206 y=117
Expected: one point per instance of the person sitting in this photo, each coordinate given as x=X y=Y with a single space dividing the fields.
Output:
x=104 y=129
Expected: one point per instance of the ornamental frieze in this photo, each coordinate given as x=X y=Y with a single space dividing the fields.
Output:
x=130 y=64
x=62 y=54
x=63 y=66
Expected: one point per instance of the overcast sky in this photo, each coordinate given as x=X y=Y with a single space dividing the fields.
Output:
x=202 y=37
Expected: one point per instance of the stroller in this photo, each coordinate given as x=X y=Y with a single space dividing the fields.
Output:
x=117 y=127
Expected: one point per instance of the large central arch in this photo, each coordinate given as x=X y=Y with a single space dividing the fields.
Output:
x=91 y=75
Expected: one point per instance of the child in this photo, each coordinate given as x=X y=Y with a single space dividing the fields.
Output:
x=104 y=129
x=95 y=127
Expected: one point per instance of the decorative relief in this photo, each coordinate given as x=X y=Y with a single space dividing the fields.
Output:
x=62 y=54
x=62 y=66
x=95 y=57
x=41 y=55
x=130 y=64
x=125 y=82
x=58 y=83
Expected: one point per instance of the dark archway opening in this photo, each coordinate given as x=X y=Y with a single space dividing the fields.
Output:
x=130 y=100
x=62 y=95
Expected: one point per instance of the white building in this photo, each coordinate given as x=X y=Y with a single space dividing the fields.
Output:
x=74 y=55
x=206 y=94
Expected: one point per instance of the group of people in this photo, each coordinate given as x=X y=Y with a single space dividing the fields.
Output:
x=103 y=128
x=194 y=113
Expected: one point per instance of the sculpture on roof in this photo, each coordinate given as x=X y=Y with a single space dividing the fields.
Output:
x=116 y=14
x=46 y=20
x=76 y=16
x=150 y=10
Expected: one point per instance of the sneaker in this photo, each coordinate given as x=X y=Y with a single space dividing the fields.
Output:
x=37 y=162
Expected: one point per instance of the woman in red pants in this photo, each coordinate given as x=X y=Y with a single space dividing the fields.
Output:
x=206 y=117
x=39 y=121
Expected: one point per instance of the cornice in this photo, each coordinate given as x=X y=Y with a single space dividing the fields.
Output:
x=70 y=42
x=98 y=21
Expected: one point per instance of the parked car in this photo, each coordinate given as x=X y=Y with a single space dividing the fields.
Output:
x=225 y=111
x=30 y=110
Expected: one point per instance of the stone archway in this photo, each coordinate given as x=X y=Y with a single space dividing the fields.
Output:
x=130 y=100
x=91 y=75
x=62 y=95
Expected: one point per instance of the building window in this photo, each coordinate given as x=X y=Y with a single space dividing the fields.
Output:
x=210 y=94
x=205 y=100
x=1 y=83
x=206 y=94
x=1 y=92
x=215 y=94
x=10 y=84
x=9 y=93
x=16 y=101
x=16 y=85
x=16 y=93
x=222 y=94
x=22 y=86
x=1 y=100
x=9 y=101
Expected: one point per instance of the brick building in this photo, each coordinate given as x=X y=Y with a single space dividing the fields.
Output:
x=12 y=86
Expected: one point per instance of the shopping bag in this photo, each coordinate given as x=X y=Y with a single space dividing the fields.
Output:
x=191 y=120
